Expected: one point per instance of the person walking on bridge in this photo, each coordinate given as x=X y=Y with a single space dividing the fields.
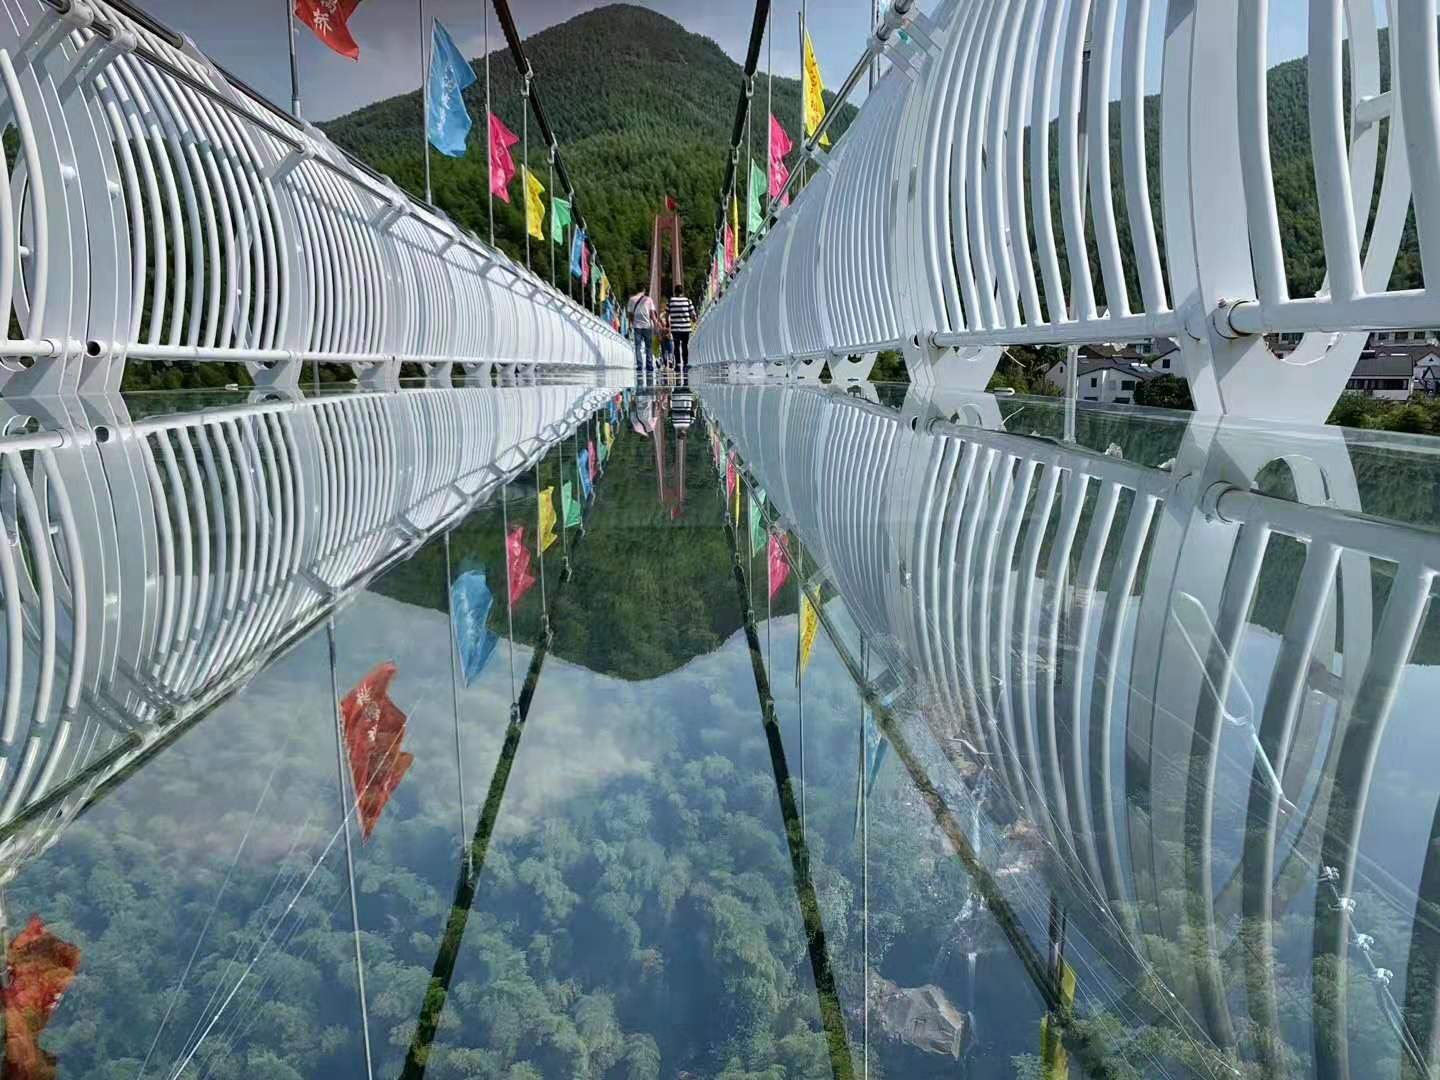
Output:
x=641 y=310
x=681 y=315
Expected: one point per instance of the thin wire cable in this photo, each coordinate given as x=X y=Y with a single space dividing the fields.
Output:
x=509 y=607
x=425 y=99
x=455 y=688
x=490 y=167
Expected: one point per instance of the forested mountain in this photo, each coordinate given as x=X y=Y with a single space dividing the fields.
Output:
x=642 y=108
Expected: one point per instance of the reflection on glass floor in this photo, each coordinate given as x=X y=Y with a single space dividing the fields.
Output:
x=539 y=731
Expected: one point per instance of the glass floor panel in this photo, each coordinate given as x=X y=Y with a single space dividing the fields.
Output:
x=748 y=731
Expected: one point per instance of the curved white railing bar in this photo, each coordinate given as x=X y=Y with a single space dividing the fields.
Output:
x=161 y=212
x=1080 y=628
x=940 y=226
x=151 y=568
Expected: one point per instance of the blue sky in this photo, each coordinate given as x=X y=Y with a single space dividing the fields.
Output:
x=249 y=38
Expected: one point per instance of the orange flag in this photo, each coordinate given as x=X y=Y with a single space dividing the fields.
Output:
x=39 y=967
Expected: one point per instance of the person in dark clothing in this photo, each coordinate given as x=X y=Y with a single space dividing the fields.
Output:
x=681 y=317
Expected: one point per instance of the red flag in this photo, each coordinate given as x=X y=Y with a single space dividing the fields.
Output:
x=730 y=253
x=517 y=557
x=593 y=459
x=374 y=727
x=730 y=475
x=328 y=18
x=39 y=967
x=585 y=264
x=670 y=204
x=780 y=147
x=502 y=165
x=779 y=566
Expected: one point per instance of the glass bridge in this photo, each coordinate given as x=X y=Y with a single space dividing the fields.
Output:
x=763 y=730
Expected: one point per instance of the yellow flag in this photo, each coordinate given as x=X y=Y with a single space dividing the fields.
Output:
x=1054 y=1058
x=814 y=93
x=604 y=287
x=547 y=518
x=809 y=623
x=735 y=219
x=534 y=205
x=735 y=513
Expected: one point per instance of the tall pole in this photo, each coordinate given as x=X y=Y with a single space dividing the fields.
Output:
x=769 y=103
x=294 y=67
x=804 y=89
x=490 y=164
x=425 y=97
x=525 y=158
x=551 y=235
x=874 y=60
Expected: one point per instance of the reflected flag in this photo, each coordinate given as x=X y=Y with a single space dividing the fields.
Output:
x=873 y=748
x=780 y=147
x=517 y=564
x=594 y=460
x=604 y=440
x=1054 y=1057
x=614 y=412
x=547 y=518
x=779 y=565
x=329 y=19
x=757 y=524
x=754 y=211
x=574 y=513
x=730 y=477
x=582 y=465
x=534 y=205
x=735 y=509
x=502 y=165
x=809 y=623
x=448 y=121
x=560 y=218
x=813 y=93
x=39 y=968
x=470 y=604
x=374 y=727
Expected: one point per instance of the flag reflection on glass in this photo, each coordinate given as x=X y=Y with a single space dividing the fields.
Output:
x=374 y=727
x=470 y=604
x=39 y=968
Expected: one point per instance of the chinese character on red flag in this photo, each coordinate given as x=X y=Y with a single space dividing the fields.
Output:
x=39 y=967
x=329 y=19
x=374 y=727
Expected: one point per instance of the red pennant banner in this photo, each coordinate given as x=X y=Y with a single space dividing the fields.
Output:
x=517 y=559
x=329 y=19
x=39 y=968
x=374 y=727
x=502 y=165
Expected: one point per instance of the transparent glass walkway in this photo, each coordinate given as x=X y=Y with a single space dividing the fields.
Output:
x=828 y=734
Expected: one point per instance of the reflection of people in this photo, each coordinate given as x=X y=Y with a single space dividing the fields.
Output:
x=641 y=310
x=682 y=320
x=667 y=343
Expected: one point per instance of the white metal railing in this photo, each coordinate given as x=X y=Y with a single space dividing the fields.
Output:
x=1073 y=625
x=158 y=211
x=991 y=193
x=149 y=569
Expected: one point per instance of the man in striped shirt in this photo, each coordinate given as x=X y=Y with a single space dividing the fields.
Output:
x=681 y=316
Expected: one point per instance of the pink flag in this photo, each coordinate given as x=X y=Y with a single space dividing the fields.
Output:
x=729 y=249
x=730 y=475
x=502 y=165
x=585 y=264
x=593 y=459
x=517 y=559
x=779 y=567
x=780 y=147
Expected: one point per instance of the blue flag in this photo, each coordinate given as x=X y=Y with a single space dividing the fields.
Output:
x=448 y=122
x=614 y=414
x=470 y=603
x=577 y=253
x=582 y=463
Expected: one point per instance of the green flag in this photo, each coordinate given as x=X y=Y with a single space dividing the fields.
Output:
x=757 y=525
x=560 y=218
x=754 y=215
x=573 y=514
